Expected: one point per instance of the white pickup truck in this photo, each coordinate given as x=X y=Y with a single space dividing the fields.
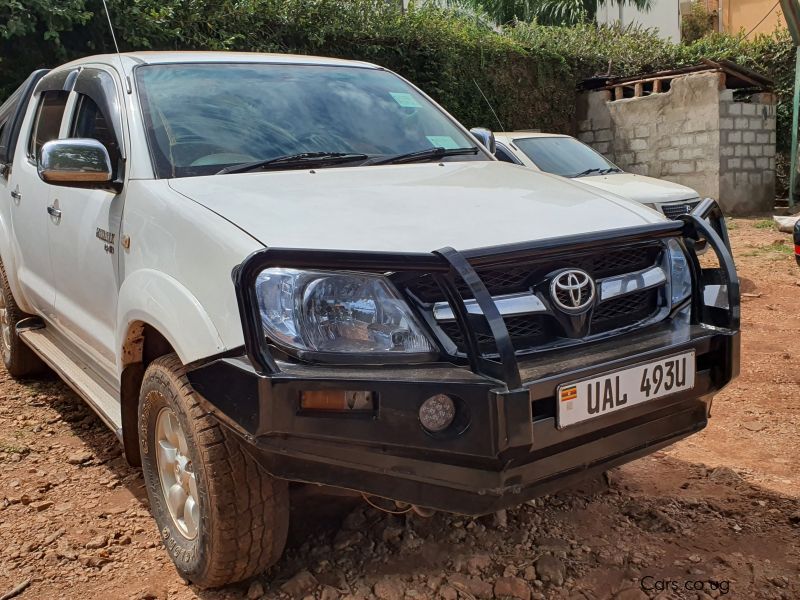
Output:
x=263 y=269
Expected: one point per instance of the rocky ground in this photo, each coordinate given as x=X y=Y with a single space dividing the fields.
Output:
x=717 y=515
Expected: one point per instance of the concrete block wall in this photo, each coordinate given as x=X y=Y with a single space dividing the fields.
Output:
x=687 y=135
x=747 y=151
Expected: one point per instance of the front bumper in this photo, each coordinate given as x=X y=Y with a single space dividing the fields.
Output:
x=509 y=448
x=510 y=452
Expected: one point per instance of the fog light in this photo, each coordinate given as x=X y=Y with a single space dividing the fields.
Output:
x=437 y=412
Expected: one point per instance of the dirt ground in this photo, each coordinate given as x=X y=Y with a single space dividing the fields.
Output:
x=717 y=515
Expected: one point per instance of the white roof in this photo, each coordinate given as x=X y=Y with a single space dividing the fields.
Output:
x=153 y=58
x=507 y=136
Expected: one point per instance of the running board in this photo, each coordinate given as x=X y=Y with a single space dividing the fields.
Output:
x=78 y=377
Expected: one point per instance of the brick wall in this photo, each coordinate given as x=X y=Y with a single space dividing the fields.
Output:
x=688 y=135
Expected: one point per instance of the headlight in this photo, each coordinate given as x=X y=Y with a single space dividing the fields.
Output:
x=680 y=275
x=337 y=312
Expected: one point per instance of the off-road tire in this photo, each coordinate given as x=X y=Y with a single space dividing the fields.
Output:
x=244 y=512
x=19 y=359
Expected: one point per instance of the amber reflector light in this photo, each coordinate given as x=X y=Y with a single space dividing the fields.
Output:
x=337 y=400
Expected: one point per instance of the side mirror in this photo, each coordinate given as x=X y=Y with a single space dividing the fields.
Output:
x=75 y=162
x=485 y=137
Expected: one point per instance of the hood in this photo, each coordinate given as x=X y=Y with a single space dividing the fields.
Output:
x=409 y=208
x=641 y=188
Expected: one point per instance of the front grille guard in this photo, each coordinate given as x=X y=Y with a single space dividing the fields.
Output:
x=449 y=266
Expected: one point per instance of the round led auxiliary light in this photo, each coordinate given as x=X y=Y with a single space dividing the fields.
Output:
x=437 y=413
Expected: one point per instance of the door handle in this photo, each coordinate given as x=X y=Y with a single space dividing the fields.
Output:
x=54 y=212
x=16 y=195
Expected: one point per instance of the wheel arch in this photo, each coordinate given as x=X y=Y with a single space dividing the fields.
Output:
x=156 y=316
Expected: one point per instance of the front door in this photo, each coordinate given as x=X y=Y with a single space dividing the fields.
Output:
x=84 y=244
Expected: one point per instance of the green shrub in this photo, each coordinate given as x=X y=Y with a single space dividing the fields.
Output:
x=528 y=71
x=448 y=56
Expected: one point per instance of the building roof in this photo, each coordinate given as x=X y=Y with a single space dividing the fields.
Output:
x=736 y=77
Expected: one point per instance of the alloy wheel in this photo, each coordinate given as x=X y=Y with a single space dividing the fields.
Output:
x=175 y=471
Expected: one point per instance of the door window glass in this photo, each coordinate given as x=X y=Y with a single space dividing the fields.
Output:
x=90 y=122
x=48 y=120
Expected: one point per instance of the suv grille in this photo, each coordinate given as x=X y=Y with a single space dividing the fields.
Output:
x=519 y=278
x=673 y=211
x=525 y=331
x=624 y=311
x=530 y=332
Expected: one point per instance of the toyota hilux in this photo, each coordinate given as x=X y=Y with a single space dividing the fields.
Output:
x=264 y=269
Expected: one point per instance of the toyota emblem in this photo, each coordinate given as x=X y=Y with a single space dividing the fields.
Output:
x=573 y=291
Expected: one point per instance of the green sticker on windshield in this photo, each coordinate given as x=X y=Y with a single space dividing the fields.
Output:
x=405 y=100
x=442 y=141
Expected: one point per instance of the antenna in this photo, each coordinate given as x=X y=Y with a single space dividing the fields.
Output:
x=489 y=104
x=116 y=47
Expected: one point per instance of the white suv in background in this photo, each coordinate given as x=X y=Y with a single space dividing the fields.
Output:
x=564 y=155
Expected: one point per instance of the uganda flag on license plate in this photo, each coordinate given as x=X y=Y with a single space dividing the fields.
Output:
x=568 y=394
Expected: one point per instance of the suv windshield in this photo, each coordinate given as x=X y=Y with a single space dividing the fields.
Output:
x=564 y=156
x=203 y=118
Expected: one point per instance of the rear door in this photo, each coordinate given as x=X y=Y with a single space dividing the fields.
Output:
x=29 y=198
x=84 y=239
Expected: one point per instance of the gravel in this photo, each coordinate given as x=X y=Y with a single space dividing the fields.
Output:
x=720 y=506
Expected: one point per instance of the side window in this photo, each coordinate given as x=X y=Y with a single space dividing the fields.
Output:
x=48 y=120
x=90 y=122
x=502 y=154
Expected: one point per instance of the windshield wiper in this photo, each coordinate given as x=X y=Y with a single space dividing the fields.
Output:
x=611 y=170
x=587 y=172
x=301 y=159
x=419 y=155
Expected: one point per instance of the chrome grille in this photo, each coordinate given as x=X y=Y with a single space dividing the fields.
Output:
x=531 y=324
x=673 y=211
x=519 y=278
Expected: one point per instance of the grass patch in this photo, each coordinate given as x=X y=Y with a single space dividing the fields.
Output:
x=776 y=249
x=9 y=448
x=764 y=224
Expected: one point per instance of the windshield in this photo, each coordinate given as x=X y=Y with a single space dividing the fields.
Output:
x=563 y=156
x=202 y=118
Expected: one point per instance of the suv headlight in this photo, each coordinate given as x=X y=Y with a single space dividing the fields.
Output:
x=338 y=312
x=680 y=275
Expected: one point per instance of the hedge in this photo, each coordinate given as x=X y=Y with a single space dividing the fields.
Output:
x=447 y=56
x=529 y=72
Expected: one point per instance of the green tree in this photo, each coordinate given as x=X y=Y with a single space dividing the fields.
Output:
x=47 y=17
x=548 y=12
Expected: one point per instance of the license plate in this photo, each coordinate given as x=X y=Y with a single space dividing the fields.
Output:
x=590 y=398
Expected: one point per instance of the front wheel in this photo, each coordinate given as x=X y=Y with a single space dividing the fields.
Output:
x=222 y=518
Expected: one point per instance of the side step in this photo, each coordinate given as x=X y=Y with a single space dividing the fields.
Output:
x=78 y=377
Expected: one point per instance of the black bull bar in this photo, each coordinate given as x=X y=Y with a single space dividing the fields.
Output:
x=512 y=451
x=446 y=265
